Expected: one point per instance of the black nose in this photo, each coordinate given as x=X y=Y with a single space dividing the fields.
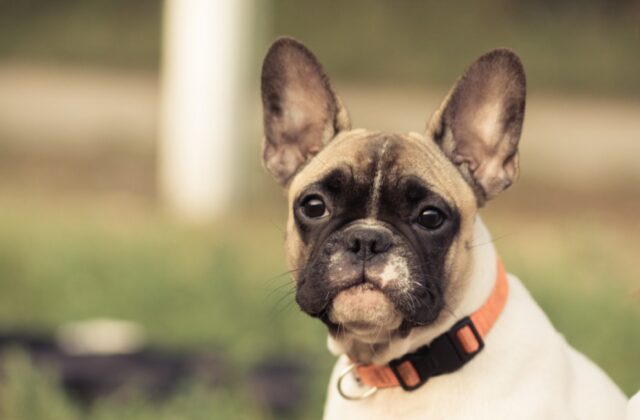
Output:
x=365 y=242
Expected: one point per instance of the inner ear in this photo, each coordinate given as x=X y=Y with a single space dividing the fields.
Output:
x=478 y=126
x=301 y=111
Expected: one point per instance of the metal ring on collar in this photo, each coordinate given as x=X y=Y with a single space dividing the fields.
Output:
x=369 y=392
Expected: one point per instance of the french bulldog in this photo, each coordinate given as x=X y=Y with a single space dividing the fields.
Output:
x=382 y=237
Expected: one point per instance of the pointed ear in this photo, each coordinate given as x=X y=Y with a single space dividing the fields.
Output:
x=301 y=111
x=479 y=123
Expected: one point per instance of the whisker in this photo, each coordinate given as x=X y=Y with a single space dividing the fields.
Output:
x=287 y=282
x=293 y=270
x=278 y=227
x=287 y=294
x=471 y=246
x=279 y=308
x=279 y=289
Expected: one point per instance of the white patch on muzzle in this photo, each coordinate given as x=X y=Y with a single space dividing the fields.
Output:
x=395 y=272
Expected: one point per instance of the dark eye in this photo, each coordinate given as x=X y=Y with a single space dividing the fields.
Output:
x=431 y=218
x=313 y=207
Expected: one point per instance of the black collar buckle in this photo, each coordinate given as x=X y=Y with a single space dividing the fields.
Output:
x=445 y=354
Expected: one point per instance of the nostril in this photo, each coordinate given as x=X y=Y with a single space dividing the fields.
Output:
x=355 y=245
x=379 y=246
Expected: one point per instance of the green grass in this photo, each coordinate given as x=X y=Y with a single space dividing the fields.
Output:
x=96 y=32
x=210 y=289
x=217 y=288
x=28 y=394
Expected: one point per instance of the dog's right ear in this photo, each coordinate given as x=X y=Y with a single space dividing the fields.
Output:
x=301 y=111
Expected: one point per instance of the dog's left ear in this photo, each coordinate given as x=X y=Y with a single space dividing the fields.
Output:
x=301 y=111
x=478 y=125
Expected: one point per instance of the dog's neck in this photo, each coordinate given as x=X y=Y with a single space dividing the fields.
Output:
x=478 y=285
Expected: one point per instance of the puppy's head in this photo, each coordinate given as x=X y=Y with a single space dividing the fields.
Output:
x=379 y=223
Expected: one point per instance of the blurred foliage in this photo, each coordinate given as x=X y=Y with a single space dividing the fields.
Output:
x=98 y=32
x=26 y=394
x=30 y=394
x=587 y=46
x=222 y=289
x=572 y=45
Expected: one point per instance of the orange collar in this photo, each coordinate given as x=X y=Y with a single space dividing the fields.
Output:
x=447 y=352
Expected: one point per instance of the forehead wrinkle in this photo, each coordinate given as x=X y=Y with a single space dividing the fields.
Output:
x=342 y=146
x=436 y=169
x=330 y=156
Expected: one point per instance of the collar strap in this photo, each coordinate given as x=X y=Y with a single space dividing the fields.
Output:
x=446 y=353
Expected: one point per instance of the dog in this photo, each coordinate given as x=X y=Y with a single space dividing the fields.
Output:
x=382 y=239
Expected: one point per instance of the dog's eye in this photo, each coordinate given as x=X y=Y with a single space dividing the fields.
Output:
x=431 y=218
x=313 y=207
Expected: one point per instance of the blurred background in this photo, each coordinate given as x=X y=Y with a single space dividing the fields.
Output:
x=131 y=190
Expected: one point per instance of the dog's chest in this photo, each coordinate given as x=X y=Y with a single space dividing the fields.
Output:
x=445 y=397
x=502 y=382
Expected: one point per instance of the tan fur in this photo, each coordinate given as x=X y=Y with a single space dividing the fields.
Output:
x=421 y=158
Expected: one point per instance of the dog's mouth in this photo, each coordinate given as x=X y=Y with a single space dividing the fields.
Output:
x=364 y=308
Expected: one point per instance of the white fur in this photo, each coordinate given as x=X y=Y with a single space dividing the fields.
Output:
x=372 y=211
x=526 y=371
x=633 y=409
x=396 y=270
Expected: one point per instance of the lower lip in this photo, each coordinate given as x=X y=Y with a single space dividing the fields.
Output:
x=360 y=326
x=362 y=287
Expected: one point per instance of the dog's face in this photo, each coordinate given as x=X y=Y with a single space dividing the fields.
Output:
x=380 y=224
x=375 y=219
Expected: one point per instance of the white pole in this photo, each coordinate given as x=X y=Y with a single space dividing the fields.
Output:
x=202 y=50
